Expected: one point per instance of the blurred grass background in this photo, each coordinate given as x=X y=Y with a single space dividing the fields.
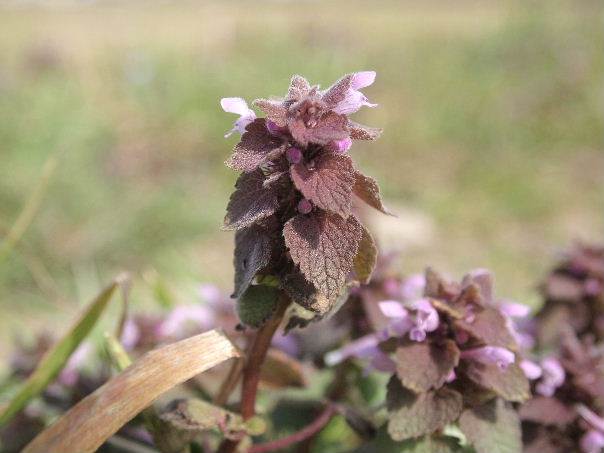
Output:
x=492 y=154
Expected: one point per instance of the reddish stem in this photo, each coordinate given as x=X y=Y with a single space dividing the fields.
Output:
x=308 y=431
x=253 y=364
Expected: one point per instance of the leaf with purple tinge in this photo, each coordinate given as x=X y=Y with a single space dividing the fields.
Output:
x=337 y=92
x=412 y=415
x=490 y=327
x=366 y=258
x=298 y=88
x=547 y=411
x=367 y=189
x=327 y=181
x=362 y=132
x=423 y=366
x=492 y=428
x=253 y=248
x=330 y=127
x=511 y=384
x=274 y=109
x=324 y=245
x=250 y=202
x=305 y=294
x=257 y=146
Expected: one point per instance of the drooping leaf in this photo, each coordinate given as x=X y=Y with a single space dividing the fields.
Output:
x=324 y=245
x=56 y=358
x=492 y=428
x=413 y=415
x=330 y=127
x=257 y=146
x=366 y=258
x=274 y=110
x=490 y=327
x=250 y=202
x=511 y=384
x=362 y=132
x=327 y=181
x=257 y=304
x=253 y=248
x=424 y=366
x=94 y=419
x=367 y=189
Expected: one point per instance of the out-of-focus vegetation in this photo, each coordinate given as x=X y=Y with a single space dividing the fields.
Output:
x=492 y=152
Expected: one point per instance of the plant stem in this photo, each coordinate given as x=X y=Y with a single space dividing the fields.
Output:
x=308 y=431
x=253 y=363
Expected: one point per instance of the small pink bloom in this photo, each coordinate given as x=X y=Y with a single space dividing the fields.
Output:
x=592 y=287
x=239 y=107
x=490 y=354
x=354 y=99
x=413 y=287
x=427 y=316
x=210 y=293
x=531 y=370
x=363 y=347
x=592 y=442
x=591 y=417
x=304 y=206
x=130 y=335
x=514 y=310
x=451 y=377
x=393 y=309
x=552 y=378
x=341 y=146
x=293 y=155
x=417 y=334
x=186 y=319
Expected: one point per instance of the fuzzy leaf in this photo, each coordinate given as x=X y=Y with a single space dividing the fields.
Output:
x=337 y=92
x=327 y=181
x=253 y=247
x=305 y=294
x=257 y=146
x=366 y=258
x=274 y=110
x=250 y=202
x=490 y=327
x=257 y=304
x=361 y=132
x=492 y=428
x=422 y=366
x=511 y=384
x=298 y=88
x=413 y=415
x=324 y=246
x=367 y=189
x=331 y=126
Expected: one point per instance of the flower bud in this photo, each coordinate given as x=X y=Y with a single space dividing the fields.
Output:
x=304 y=206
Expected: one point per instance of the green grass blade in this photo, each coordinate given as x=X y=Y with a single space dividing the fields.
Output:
x=56 y=358
x=30 y=209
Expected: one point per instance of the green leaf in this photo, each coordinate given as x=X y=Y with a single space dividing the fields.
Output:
x=427 y=444
x=257 y=304
x=422 y=366
x=413 y=415
x=55 y=359
x=493 y=427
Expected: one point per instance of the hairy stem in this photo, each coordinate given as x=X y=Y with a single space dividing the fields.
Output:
x=308 y=431
x=253 y=363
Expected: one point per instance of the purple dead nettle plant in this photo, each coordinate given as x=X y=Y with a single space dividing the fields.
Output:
x=298 y=244
x=454 y=354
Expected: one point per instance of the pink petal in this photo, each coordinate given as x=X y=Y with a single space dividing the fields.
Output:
x=514 y=310
x=393 y=309
x=591 y=417
x=490 y=354
x=362 y=79
x=531 y=370
x=592 y=442
x=235 y=105
x=363 y=347
x=341 y=146
x=413 y=286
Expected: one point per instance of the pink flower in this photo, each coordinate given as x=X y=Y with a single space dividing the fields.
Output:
x=185 y=320
x=304 y=206
x=490 y=354
x=413 y=287
x=592 y=442
x=591 y=417
x=131 y=335
x=238 y=106
x=531 y=370
x=354 y=99
x=552 y=378
x=514 y=309
x=340 y=146
x=424 y=319
x=366 y=347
